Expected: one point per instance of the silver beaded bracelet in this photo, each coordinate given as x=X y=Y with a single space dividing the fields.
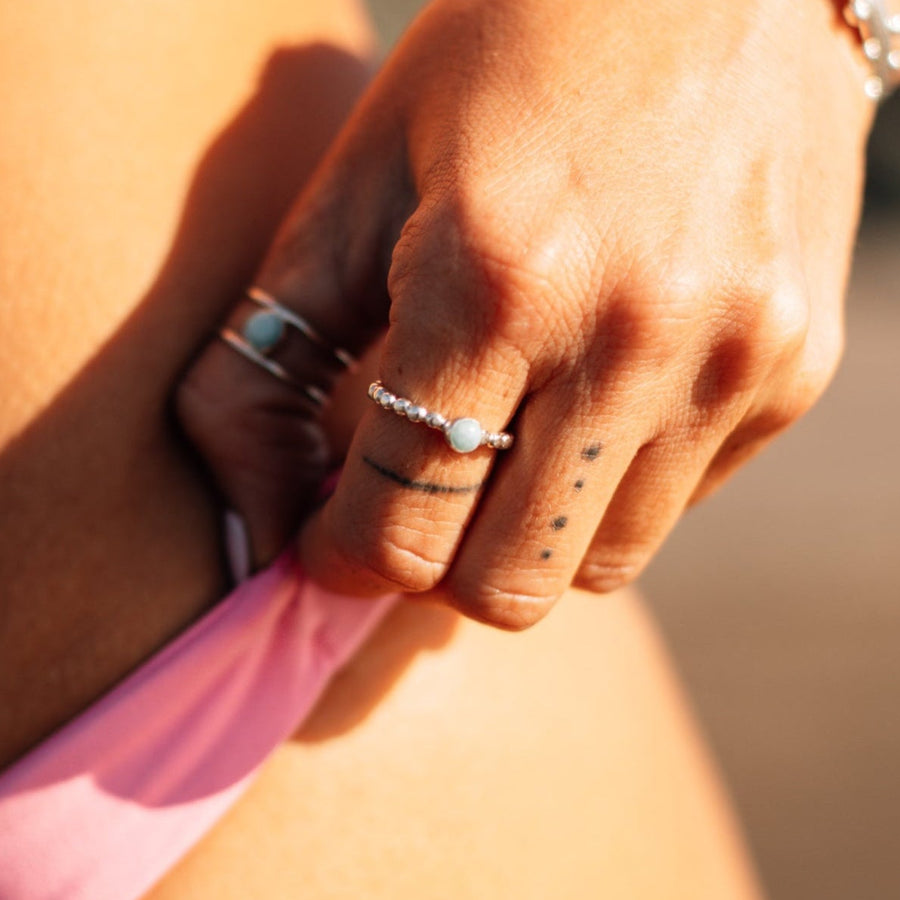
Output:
x=878 y=23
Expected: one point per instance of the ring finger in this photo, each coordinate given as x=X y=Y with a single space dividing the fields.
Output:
x=405 y=496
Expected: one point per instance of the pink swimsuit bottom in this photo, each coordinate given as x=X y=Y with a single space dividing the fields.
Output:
x=109 y=803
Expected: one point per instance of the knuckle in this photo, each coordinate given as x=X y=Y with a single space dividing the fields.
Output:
x=681 y=290
x=494 y=271
x=772 y=309
x=395 y=556
x=412 y=254
x=822 y=354
x=450 y=238
x=809 y=384
x=761 y=331
x=786 y=315
x=805 y=379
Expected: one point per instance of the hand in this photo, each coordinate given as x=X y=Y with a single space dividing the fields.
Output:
x=622 y=231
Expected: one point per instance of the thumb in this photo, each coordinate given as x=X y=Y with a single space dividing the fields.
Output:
x=251 y=403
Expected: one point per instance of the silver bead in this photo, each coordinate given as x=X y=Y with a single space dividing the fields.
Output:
x=435 y=420
x=387 y=399
x=416 y=413
x=401 y=406
x=862 y=9
x=874 y=88
x=872 y=48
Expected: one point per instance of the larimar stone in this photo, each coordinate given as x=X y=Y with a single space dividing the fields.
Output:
x=263 y=330
x=464 y=435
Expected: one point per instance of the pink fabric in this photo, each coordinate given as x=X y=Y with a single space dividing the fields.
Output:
x=110 y=802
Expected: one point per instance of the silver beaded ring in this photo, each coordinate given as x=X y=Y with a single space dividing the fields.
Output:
x=463 y=435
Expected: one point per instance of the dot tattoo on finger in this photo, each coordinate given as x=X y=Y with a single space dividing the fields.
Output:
x=589 y=454
x=559 y=523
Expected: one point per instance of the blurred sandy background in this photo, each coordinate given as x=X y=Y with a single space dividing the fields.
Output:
x=780 y=598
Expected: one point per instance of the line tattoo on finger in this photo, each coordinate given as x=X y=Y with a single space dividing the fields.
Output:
x=426 y=487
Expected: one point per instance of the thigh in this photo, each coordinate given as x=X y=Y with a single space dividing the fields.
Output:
x=452 y=761
x=147 y=152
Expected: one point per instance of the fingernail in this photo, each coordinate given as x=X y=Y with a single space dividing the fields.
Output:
x=237 y=545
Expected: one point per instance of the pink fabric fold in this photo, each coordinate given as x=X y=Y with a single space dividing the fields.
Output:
x=106 y=805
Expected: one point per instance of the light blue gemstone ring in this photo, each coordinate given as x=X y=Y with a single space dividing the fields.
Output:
x=264 y=329
x=463 y=435
x=238 y=342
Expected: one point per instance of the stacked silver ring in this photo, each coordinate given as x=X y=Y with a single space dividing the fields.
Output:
x=464 y=434
x=272 y=307
x=264 y=330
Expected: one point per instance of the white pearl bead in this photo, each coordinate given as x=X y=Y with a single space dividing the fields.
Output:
x=872 y=48
x=874 y=87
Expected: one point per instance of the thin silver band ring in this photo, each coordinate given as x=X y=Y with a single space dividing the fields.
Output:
x=464 y=434
x=248 y=351
x=264 y=299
